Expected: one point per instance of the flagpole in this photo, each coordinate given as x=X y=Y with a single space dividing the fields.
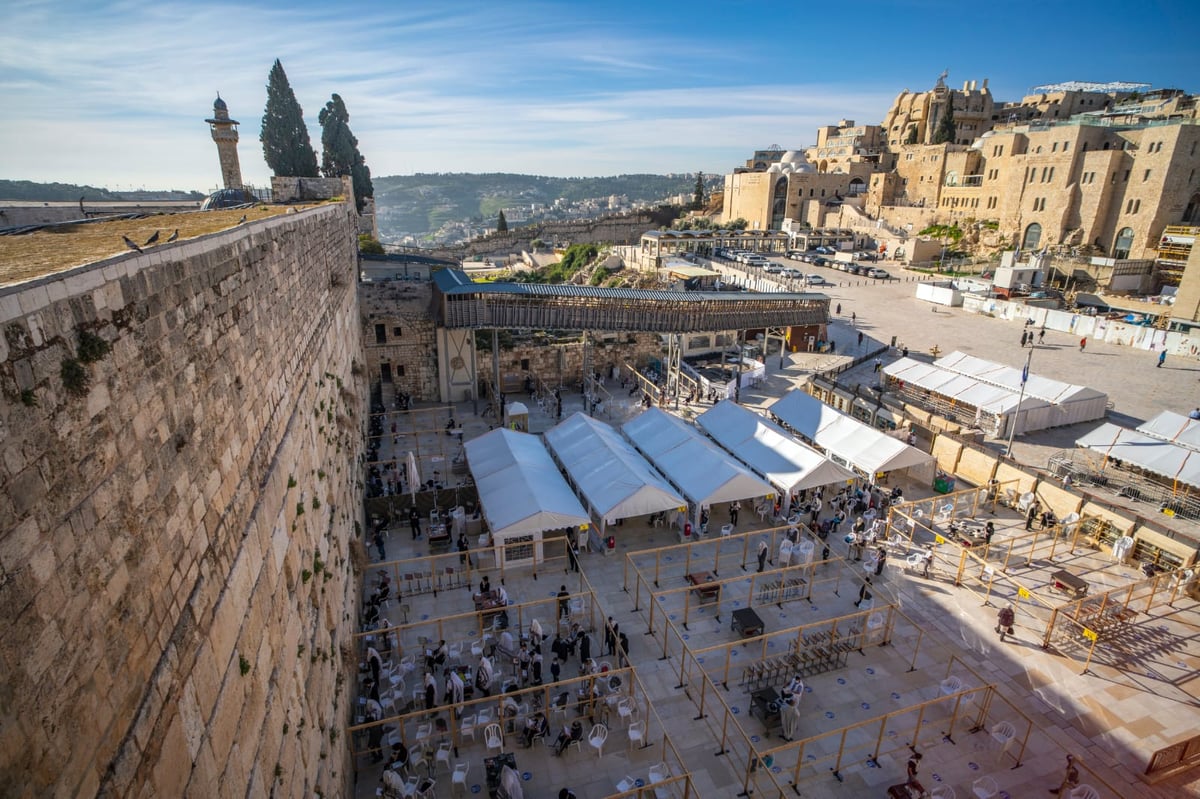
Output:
x=1020 y=399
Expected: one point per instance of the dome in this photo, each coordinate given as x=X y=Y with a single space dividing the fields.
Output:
x=796 y=161
x=775 y=168
x=219 y=104
x=791 y=156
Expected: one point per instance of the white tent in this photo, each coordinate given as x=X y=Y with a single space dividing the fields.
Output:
x=613 y=479
x=702 y=471
x=1173 y=427
x=521 y=491
x=1071 y=403
x=786 y=463
x=847 y=440
x=1145 y=451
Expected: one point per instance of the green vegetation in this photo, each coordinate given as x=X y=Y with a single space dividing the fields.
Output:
x=369 y=245
x=947 y=233
x=91 y=347
x=698 y=193
x=243 y=665
x=76 y=379
x=72 y=192
x=911 y=138
x=339 y=150
x=286 y=146
x=28 y=398
x=575 y=258
x=599 y=275
x=501 y=223
x=944 y=132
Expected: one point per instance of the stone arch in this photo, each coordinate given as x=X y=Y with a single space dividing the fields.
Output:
x=1033 y=237
x=779 y=204
x=1124 y=243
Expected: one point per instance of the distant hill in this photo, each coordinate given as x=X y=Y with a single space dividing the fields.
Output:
x=421 y=203
x=69 y=192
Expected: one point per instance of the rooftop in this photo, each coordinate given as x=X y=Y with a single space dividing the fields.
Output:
x=59 y=247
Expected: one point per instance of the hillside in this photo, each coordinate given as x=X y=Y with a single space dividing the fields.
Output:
x=421 y=203
x=28 y=190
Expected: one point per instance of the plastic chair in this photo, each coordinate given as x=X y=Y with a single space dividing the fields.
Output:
x=459 y=777
x=637 y=734
x=942 y=792
x=1084 y=791
x=442 y=755
x=626 y=710
x=951 y=685
x=627 y=784
x=985 y=788
x=467 y=727
x=597 y=737
x=1003 y=733
x=726 y=530
x=493 y=736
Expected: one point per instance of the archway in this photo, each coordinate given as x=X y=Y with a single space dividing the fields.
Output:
x=779 y=204
x=1124 y=243
x=857 y=186
x=1033 y=237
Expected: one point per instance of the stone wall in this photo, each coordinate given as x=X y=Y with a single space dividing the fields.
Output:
x=176 y=517
x=407 y=340
x=626 y=229
x=562 y=364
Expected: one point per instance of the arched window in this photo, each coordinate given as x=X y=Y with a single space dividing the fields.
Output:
x=779 y=204
x=1124 y=243
x=1033 y=237
x=857 y=186
x=1191 y=214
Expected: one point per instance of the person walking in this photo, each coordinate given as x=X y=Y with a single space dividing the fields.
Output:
x=1082 y=343
x=1041 y=335
x=734 y=507
x=1024 y=338
x=839 y=309
x=1070 y=778
x=572 y=557
x=880 y=560
x=762 y=555
x=610 y=636
x=1030 y=515
x=863 y=593
x=1162 y=357
x=379 y=545
x=414 y=521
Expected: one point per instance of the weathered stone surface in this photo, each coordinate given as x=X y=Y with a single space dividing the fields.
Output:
x=149 y=546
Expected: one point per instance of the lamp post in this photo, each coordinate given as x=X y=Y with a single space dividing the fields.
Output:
x=1020 y=399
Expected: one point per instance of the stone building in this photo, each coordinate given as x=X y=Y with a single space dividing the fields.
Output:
x=914 y=117
x=225 y=135
x=792 y=189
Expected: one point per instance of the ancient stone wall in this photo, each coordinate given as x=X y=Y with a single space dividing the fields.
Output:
x=398 y=331
x=176 y=511
x=562 y=364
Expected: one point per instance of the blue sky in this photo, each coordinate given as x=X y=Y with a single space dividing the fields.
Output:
x=115 y=94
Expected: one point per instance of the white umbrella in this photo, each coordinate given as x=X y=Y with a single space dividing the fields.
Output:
x=414 y=476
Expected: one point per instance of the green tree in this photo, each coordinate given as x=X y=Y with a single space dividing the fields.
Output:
x=501 y=223
x=698 y=194
x=286 y=146
x=944 y=132
x=339 y=150
x=736 y=224
x=912 y=135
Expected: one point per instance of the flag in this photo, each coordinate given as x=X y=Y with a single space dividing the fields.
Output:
x=1024 y=374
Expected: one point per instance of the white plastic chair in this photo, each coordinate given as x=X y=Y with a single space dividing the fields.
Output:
x=985 y=788
x=442 y=755
x=785 y=552
x=597 y=737
x=803 y=551
x=626 y=710
x=627 y=784
x=637 y=734
x=423 y=733
x=1084 y=791
x=459 y=777
x=493 y=736
x=1003 y=733
x=726 y=530
x=951 y=685
x=915 y=561
x=660 y=772
x=467 y=727
x=942 y=792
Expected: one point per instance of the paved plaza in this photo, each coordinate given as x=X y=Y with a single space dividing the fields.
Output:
x=1136 y=698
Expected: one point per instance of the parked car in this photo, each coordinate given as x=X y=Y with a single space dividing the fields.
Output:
x=790 y=272
x=817 y=280
x=819 y=262
x=773 y=268
x=826 y=250
x=881 y=274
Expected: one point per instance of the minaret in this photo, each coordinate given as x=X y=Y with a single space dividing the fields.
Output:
x=225 y=134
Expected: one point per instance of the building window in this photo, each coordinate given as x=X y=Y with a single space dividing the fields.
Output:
x=1084 y=148
x=397 y=332
x=1126 y=178
x=1054 y=147
x=399 y=370
x=381 y=334
x=1145 y=176
x=1033 y=237
x=1133 y=206
x=1066 y=146
x=1124 y=243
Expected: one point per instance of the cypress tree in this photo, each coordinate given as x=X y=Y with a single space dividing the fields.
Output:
x=698 y=194
x=339 y=150
x=284 y=137
x=944 y=132
x=501 y=223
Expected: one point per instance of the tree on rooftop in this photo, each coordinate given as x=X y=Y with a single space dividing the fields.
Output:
x=944 y=132
x=698 y=194
x=339 y=150
x=286 y=146
x=501 y=223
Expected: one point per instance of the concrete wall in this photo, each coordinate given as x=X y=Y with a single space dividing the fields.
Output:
x=175 y=536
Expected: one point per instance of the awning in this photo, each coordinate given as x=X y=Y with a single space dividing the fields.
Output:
x=1146 y=452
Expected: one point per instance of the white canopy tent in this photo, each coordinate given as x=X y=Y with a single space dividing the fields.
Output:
x=521 y=493
x=1155 y=455
x=702 y=471
x=996 y=407
x=1068 y=403
x=1173 y=427
x=612 y=478
x=769 y=450
x=848 y=441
